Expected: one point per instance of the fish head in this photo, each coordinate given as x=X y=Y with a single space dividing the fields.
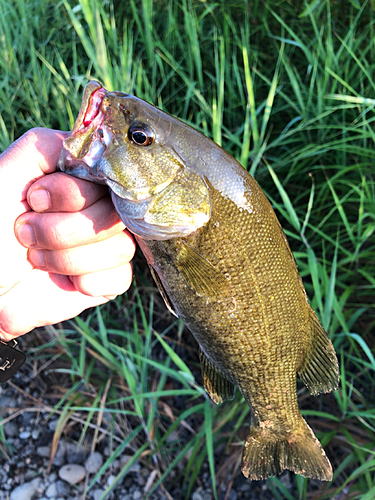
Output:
x=128 y=144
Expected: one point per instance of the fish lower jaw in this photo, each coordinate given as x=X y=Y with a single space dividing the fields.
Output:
x=101 y=139
x=100 y=142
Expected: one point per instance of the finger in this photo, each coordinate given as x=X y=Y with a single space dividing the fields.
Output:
x=106 y=254
x=34 y=154
x=57 y=231
x=46 y=299
x=31 y=156
x=107 y=283
x=60 y=192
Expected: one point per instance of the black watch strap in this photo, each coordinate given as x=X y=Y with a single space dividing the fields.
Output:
x=11 y=359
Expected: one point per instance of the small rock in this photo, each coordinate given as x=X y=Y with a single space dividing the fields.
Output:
x=72 y=473
x=27 y=418
x=35 y=434
x=245 y=487
x=232 y=495
x=7 y=402
x=25 y=435
x=137 y=495
x=98 y=494
x=25 y=491
x=52 y=477
x=110 y=480
x=141 y=480
x=197 y=495
x=59 y=458
x=30 y=473
x=11 y=429
x=75 y=453
x=94 y=462
x=36 y=482
x=63 y=488
x=51 y=491
x=134 y=468
x=43 y=451
x=52 y=424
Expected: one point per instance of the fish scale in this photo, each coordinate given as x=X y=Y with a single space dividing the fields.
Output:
x=256 y=333
x=221 y=262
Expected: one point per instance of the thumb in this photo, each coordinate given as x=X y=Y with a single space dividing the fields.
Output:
x=34 y=154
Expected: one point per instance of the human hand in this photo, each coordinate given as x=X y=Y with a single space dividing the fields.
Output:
x=63 y=248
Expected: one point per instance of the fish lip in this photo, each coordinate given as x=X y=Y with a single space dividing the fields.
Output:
x=89 y=120
x=91 y=103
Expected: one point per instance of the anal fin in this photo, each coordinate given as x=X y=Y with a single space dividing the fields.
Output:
x=218 y=387
x=319 y=370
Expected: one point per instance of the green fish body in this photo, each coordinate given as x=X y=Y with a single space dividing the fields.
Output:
x=221 y=262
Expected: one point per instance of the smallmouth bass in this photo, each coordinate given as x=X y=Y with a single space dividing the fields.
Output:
x=221 y=262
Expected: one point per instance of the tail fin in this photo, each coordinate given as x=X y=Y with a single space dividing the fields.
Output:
x=268 y=452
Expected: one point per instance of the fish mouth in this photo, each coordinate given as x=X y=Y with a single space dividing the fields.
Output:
x=90 y=108
x=89 y=138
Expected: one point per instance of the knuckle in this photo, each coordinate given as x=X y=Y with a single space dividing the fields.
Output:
x=52 y=232
x=65 y=263
x=30 y=137
x=59 y=261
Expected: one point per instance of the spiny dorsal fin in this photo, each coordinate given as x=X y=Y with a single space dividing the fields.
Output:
x=200 y=274
x=218 y=387
x=319 y=370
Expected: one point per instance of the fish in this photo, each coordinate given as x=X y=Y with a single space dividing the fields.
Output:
x=222 y=264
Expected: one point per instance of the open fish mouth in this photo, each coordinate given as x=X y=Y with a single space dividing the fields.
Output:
x=90 y=113
x=89 y=138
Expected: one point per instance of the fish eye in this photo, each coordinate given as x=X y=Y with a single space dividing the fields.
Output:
x=140 y=134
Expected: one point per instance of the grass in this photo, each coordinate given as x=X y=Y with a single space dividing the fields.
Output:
x=288 y=89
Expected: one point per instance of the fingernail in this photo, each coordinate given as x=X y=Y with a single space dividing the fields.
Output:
x=26 y=235
x=37 y=258
x=39 y=200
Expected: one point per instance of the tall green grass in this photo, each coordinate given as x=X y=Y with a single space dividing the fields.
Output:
x=289 y=90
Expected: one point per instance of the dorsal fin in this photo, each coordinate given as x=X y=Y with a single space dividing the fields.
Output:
x=319 y=370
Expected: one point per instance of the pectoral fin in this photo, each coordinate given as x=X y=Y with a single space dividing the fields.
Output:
x=218 y=387
x=201 y=275
x=319 y=370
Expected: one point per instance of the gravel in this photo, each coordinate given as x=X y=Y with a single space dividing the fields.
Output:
x=27 y=473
